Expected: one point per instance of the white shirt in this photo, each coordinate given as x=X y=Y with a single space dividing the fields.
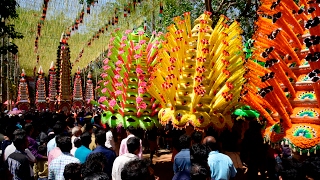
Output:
x=124 y=149
x=110 y=142
x=72 y=140
x=11 y=149
x=119 y=163
x=73 y=150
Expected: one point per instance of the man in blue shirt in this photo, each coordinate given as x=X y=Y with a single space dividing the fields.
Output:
x=182 y=159
x=101 y=148
x=83 y=151
x=221 y=166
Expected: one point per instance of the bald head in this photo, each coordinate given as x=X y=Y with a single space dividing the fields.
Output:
x=210 y=142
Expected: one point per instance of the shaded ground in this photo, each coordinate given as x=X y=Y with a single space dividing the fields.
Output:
x=162 y=165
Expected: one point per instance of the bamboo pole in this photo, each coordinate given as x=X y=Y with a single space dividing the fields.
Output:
x=7 y=79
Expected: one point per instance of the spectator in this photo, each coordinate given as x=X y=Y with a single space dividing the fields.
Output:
x=57 y=165
x=77 y=143
x=41 y=167
x=182 y=159
x=152 y=140
x=83 y=151
x=136 y=170
x=17 y=162
x=109 y=154
x=199 y=172
x=33 y=145
x=221 y=165
x=55 y=152
x=133 y=146
x=311 y=168
x=109 y=139
x=123 y=148
x=97 y=176
x=199 y=154
x=253 y=151
x=76 y=132
x=72 y=171
x=11 y=149
x=7 y=139
x=196 y=137
x=95 y=163
x=57 y=128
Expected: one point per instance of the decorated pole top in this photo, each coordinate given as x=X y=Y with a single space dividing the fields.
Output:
x=198 y=74
x=122 y=91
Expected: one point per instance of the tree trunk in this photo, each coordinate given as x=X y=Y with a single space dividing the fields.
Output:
x=1 y=73
x=208 y=5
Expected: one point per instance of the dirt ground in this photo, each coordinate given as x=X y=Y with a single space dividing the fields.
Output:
x=162 y=165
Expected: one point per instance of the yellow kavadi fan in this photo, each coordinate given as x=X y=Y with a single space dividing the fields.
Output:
x=199 y=74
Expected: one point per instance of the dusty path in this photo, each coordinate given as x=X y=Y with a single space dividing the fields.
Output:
x=162 y=165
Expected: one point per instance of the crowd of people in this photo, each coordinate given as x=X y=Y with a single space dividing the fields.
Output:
x=55 y=146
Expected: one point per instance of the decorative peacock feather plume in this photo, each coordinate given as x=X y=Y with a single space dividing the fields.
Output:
x=123 y=89
x=198 y=76
x=286 y=44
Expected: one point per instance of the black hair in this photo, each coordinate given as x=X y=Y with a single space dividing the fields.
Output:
x=101 y=137
x=135 y=170
x=57 y=128
x=72 y=171
x=199 y=154
x=311 y=167
x=199 y=172
x=28 y=127
x=86 y=139
x=77 y=142
x=184 y=141
x=131 y=130
x=19 y=141
x=19 y=132
x=88 y=127
x=97 y=176
x=196 y=136
x=42 y=149
x=133 y=144
x=9 y=131
x=292 y=169
x=97 y=119
x=64 y=143
x=94 y=163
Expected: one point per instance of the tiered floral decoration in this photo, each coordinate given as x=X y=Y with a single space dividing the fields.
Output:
x=122 y=91
x=89 y=95
x=286 y=44
x=41 y=101
x=77 y=90
x=64 y=81
x=23 y=100
x=199 y=73
x=52 y=87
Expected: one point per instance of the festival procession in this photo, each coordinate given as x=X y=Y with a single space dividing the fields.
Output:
x=160 y=90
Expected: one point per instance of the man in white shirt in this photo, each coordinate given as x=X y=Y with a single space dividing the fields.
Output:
x=110 y=141
x=123 y=146
x=76 y=132
x=133 y=146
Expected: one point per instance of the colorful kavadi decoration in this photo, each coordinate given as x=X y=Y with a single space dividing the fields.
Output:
x=199 y=73
x=285 y=90
x=123 y=93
